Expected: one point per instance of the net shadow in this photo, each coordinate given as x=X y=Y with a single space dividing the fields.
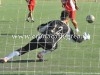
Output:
x=5 y=21
x=12 y=74
x=11 y=34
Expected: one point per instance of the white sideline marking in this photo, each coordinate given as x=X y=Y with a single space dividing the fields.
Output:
x=79 y=73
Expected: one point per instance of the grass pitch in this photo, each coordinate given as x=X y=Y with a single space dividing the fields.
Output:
x=69 y=59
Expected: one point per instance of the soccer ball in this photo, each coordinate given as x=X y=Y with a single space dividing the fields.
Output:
x=90 y=18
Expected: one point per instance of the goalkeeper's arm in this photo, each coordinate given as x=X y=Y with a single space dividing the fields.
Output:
x=78 y=38
x=42 y=28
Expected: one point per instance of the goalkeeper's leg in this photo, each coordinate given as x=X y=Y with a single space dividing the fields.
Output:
x=47 y=49
x=30 y=46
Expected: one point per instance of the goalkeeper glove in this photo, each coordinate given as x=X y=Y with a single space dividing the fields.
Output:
x=86 y=36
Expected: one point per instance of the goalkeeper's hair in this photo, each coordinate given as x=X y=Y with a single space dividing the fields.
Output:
x=64 y=15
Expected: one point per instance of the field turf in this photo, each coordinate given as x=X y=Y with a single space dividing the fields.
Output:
x=69 y=59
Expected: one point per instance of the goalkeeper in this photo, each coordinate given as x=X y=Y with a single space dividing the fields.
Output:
x=51 y=33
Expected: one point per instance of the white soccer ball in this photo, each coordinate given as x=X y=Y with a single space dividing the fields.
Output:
x=90 y=18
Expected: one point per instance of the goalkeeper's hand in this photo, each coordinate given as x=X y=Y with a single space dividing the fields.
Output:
x=86 y=36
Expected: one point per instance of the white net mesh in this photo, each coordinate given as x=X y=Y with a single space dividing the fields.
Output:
x=69 y=59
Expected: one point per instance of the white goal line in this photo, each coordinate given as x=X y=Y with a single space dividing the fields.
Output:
x=50 y=72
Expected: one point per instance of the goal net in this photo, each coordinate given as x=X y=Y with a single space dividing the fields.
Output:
x=69 y=58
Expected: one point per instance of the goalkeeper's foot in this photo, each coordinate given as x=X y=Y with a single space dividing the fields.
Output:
x=86 y=36
x=40 y=57
x=3 y=60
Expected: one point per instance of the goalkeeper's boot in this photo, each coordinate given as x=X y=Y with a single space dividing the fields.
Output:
x=40 y=56
x=3 y=60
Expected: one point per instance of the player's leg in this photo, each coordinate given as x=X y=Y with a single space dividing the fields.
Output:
x=8 y=57
x=30 y=46
x=73 y=20
x=30 y=13
x=47 y=49
x=30 y=16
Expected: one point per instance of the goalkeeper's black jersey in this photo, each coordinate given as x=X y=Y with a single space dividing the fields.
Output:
x=53 y=31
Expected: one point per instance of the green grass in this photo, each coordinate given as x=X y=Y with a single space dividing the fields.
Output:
x=69 y=59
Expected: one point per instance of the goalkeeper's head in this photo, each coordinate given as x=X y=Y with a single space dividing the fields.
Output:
x=64 y=15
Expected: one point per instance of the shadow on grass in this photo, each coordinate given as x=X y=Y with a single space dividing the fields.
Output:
x=25 y=61
x=12 y=74
x=57 y=74
x=5 y=21
x=32 y=74
x=5 y=34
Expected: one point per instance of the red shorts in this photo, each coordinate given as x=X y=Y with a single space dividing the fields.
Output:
x=31 y=7
x=72 y=14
